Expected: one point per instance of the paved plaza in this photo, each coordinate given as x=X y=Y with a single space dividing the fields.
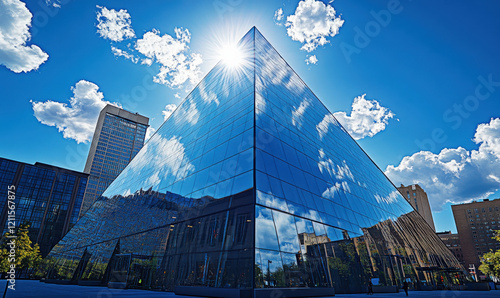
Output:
x=32 y=288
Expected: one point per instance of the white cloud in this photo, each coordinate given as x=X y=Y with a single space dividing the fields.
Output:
x=149 y=133
x=313 y=23
x=78 y=119
x=169 y=109
x=312 y=59
x=278 y=16
x=147 y=61
x=176 y=66
x=297 y=113
x=114 y=25
x=455 y=175
x=487 y=134
x=121 y=53
x=15 y=21
x=367 y=118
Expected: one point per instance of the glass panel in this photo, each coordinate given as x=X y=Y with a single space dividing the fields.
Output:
x=287 y=234
x=265 y=232
x=270 y=268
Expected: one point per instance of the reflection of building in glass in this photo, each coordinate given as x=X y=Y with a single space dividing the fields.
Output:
x=476 y=222
x=417 y=197
x=118 y=136
x=452 y=241
x=47 y=197
x=251 y=185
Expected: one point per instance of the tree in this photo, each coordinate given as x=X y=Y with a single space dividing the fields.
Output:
x=490 y=262
x=27 y=256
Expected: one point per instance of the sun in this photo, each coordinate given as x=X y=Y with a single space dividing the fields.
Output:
x=232 y=55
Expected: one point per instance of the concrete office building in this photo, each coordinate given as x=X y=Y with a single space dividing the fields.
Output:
x=417 y=197
x=118 y=136
x=475 y=224
x=48 y=197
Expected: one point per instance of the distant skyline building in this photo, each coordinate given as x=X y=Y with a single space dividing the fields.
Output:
x=476 y=222
x=452 y=241
x=417 y=197
x=118 y=136
x=46 y=196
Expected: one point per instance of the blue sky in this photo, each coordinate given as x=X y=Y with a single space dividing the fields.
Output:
x=416 y=82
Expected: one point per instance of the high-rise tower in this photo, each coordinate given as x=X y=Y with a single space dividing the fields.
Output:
x=251 y=188
x=118 y=136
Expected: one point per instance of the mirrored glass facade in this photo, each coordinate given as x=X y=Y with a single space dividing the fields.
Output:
x=252 y=184
x=47 y=197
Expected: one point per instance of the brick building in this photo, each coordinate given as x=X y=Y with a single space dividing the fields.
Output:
x=476 y=222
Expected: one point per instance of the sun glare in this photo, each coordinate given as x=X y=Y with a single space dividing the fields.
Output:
x=232 y=56
x=226 y=48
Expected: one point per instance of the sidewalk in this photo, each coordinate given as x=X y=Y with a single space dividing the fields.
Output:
x=33 y=288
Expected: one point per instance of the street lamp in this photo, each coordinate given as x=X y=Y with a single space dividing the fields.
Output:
x=269 y=273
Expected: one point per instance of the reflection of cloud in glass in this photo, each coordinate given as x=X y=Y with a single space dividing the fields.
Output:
x=163 y=157
x=273 y=69
x=287 y=233
x=391 y=198
x=265 y=234
x=304 y=225
x=187 y=112
x=269 y=200
x=154 y=179
x=339 y=174
x=343 y=171
x=322 y=127
x=313 y=214
x=329 y=193
x=326 y=164
x=209 y=96
x=297 y=113
x=260 y=104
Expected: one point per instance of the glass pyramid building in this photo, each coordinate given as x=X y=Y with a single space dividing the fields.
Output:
x=250 y=187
